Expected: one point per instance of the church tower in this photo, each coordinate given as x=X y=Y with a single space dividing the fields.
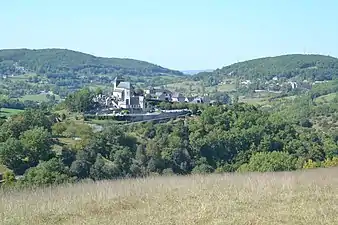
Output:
x=117 y=81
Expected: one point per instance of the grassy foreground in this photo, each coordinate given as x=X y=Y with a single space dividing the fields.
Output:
x=306 y=197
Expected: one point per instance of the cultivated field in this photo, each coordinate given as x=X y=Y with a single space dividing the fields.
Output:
x=309 y=197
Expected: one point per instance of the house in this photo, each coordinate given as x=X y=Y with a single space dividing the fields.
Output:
x=177 y=97
x=246 y=82
x=197 y=100
x=201 y=100
x=163 y=95
x=188 y=99
x=293 y=84
x=150 y=91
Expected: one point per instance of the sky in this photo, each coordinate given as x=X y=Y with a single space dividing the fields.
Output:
x=182 y=35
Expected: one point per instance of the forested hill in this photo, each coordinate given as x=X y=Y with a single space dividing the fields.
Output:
x=63 y=61
x=315 y=67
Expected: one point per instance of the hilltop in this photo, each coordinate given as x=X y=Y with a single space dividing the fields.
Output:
x=26 y=73
x=64 y=61
x=297 y=66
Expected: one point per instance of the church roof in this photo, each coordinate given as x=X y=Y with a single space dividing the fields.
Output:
x=124 y=85
x=118 y=90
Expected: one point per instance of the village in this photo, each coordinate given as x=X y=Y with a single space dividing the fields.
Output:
x=124 y=99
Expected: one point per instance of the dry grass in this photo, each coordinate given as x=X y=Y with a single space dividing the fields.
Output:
x=309 y=197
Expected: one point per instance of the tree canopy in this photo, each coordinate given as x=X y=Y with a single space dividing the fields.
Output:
x=63 y=62
x=298 y=66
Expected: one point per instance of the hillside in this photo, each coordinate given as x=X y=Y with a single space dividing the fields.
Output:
x=298 y=66
x=193 y=72
x=63 y=61
x=307 y=197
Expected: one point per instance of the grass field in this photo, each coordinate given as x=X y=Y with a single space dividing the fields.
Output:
x=292 y=198
x=195 y=87
x=9 y=112
x=326 y=98
x=38 y=97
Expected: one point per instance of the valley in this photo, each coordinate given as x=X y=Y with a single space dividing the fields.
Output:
x=168 y=130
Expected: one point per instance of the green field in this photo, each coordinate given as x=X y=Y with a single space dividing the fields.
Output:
x=326 y=98
x=223 y=87
x=9 y=112
x=38 y=97
x=21 y=77
x=195 y=87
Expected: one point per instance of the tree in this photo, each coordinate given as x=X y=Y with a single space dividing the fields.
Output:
x=12 y=155
x=46 y=173
x=122 y=158
x=58 y=129
x=37 y=144
x=269 y=162
x=80 y=101
x=80 y=168
x=139 y=91
x=305 y=123
x=103 y=169
x=67 y=156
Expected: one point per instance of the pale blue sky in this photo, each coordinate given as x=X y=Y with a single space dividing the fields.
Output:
x=183 y=34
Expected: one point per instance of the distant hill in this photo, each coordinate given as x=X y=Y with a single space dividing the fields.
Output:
x=298 y=66
x=63 y=61
x=193 y=72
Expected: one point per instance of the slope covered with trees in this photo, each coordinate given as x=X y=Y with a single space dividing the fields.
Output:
x=223 y=138
x=298 y=66
x=68 y=62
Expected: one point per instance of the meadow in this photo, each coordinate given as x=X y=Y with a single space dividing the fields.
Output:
x=38 y=97
x=301 y=197
x=9 y=112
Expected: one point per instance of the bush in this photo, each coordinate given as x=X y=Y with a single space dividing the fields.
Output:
x=306 y=123
x=310 y=164
x=168 y=172
x=269 y=162
x=46 y=173
x=202 y=169
x=330 y=162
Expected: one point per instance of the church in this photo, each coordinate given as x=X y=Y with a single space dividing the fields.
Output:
x=124 y=96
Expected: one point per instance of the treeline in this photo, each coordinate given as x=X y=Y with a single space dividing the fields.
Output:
x=224 y=138
x=17 y=104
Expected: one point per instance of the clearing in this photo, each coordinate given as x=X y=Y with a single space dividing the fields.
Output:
x=9 y=112
x=38 y=97
x=195 y=87
x=326 y=98
x=289 y=198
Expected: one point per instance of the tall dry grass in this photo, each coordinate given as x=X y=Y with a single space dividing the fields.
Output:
x=309 y=197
